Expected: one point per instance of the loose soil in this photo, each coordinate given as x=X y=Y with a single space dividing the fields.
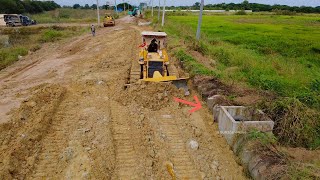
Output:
x=65 y=114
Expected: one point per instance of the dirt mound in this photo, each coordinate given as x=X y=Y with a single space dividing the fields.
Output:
x=26 y=128
x=209 y=86
x=152 y=95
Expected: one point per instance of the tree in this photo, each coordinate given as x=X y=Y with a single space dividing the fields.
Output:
x=197 y=5
x=128 y=6
x=26 y=6
x=94 y=6
x=86 y=6
x=105 y=6
x=11 y=6
x=246 y=5
x=76 y=6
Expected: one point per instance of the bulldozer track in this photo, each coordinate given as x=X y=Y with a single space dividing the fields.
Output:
x=135 y=66
x=183 y=166
x=126 y=156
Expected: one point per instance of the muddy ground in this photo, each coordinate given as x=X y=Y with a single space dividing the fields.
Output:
x=65 y=114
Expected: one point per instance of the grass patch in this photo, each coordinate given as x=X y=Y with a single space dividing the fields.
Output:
x=50 y=35
x=17 y=42
x=193 y=66
x=299 y=171
x=10 y=55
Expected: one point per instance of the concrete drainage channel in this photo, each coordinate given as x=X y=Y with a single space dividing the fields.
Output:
x=234 y=122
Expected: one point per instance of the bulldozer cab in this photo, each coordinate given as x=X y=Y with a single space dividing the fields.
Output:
x=154 y=60
x=151 y=38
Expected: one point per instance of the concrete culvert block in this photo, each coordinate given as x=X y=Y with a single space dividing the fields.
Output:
x=215 y=100
x=235 y=120
x=215 y=112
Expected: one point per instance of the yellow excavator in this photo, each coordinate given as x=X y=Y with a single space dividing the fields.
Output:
x=154 y=61
x=108 y=21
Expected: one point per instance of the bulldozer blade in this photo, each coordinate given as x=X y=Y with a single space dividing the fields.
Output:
x=182 y=83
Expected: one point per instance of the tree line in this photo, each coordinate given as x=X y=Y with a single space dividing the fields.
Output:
x=26 y=6
x=30 y=6
x=255 y=7
x=94 y=6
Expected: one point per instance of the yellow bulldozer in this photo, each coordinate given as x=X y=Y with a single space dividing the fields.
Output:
x=108 y=21
x=153 y=64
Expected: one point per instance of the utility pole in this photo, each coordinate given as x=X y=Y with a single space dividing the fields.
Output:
x=124 y=5
x=152 y=7
x=200 y=21
x=164 y=12
x=159 y=12
x=98 y=13
x=116 y=6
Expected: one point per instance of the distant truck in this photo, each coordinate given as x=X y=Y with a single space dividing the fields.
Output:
x=13 y=20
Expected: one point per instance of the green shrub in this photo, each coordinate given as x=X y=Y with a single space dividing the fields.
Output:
x=309 y=98
x=242 y=12
x=264 y=138
x=200 y=47
x=295 y=124
x=50 y=35
x=284 y=12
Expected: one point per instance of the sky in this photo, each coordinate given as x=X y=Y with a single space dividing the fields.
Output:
x=191 y=2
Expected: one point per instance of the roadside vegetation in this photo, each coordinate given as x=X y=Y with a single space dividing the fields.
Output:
x=272 y=53
x=69 y=15
x=18 y=42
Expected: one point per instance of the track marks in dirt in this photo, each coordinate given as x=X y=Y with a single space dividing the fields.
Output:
x=183 y=166
x=20 y=137
x=52 y=154
x=127 y=166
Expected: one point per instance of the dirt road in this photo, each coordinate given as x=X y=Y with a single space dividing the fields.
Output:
x=65 y=114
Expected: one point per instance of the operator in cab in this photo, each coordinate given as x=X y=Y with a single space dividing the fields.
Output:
x=153 y=47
